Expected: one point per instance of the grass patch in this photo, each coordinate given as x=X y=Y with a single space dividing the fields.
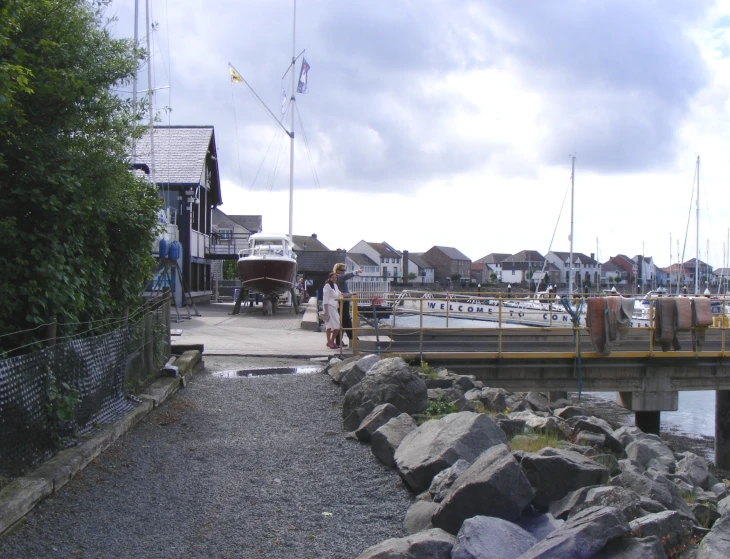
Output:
x=440 y=407
x=532 y=442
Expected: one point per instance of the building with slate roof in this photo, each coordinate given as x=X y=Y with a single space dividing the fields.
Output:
x=448 y=262
x=185 y=169
x=586 y=269
x=421 y=267
x=311 y=242
x=357 y=261
x=388 y=258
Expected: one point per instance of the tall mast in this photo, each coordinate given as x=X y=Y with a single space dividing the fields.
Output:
x=572 y=198
x=134 y=81
x=697 y=257
x=149 y=94
x=291 y=135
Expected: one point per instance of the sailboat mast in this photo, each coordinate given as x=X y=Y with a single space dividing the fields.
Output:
x=572 y=198
x=149 y=93
x=697 y=257
x=291 y=133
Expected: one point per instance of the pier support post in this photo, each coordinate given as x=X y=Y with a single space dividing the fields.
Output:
x=722 y=429
x=648 y=421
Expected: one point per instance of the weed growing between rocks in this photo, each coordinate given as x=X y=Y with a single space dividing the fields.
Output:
x=532 y=442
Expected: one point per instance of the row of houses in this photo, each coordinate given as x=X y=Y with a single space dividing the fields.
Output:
x=185 y=170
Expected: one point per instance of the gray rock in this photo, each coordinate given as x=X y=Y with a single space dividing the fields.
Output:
x=380 y=415
x=586 y=438
x=353 y=373
x=720 y=490
x=429 y=544
x=554 y=473
x=608 y=460
x=540 y=526
x=666 y=525
x=705 y=514
x=650 y=505
x=657 y=488
x=418 y=517
x=627 y=434
x=560 y=508
x=495 y=399
x=437 y=444
x=443 y=481
x=464 y=383
x=538 y=401
x=623 y=500
x=487 y=537
x=387 y=438
x=336 y=368
x=582 y=536
x=652 y=455
x=716 y=544
x=723 y=506
x=591 y=424
x=570 y=411
x=511 y=427
x=389 y=381
x=494 y=485
x=692 y=469
x=633 y=548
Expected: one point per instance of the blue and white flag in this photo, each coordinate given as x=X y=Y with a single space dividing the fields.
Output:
x=302 y=87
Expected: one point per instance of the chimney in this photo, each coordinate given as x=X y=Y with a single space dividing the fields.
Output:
x=314 y=236
x=405 y=266
x=593 y=255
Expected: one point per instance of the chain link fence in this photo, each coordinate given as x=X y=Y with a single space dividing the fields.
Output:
x=56 y=397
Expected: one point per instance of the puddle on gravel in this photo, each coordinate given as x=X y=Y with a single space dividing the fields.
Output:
x=260 y=372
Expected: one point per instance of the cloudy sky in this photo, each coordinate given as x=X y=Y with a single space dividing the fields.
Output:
x=453 y=122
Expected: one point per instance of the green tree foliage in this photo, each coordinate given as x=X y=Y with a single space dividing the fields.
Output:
x=76 y=226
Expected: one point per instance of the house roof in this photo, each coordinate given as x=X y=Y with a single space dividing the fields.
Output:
x=308 y=242
x=384 y=249
x=577 y=257
x=452 y=253
x=361 y=259
x=250 y=222
x=528 y=256
x=418 y=259
x=220 y=219
x=180 y=152
x=318 y=261
x=493 y=258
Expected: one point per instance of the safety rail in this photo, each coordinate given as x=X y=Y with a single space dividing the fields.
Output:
x=504 y=326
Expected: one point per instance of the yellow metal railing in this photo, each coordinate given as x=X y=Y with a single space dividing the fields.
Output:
x=503 y=337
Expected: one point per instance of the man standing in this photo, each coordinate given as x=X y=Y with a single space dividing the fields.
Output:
x=342 y=278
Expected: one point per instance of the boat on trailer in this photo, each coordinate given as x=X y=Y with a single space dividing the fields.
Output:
x=269 y=268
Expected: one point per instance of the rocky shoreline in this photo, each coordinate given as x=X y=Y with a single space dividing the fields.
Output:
x=530 y=478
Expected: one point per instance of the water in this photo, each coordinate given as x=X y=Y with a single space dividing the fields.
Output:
x=258 y=371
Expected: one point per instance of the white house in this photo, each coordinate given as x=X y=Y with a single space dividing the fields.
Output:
x=387 y=258
x=586 y=269
x=357 y=261
x=421 y=267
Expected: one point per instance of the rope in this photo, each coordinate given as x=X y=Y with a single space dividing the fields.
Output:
x=575 y=319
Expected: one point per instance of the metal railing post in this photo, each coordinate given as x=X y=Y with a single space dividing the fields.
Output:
x=355 y=323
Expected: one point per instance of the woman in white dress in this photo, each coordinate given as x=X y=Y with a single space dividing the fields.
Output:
x=331 y=309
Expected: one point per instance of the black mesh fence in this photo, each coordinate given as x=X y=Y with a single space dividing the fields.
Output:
x=53 y=398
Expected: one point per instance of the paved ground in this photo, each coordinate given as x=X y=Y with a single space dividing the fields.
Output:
x=249 y=332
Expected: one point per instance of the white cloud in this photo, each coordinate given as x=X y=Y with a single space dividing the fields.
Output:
x=451 y=123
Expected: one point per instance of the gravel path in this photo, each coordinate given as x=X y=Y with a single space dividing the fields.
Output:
x=245 y=467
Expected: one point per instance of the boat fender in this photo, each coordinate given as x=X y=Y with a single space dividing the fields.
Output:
x=163 y=248
x=174 y=250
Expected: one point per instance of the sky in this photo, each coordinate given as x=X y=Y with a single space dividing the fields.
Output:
x=455 y=123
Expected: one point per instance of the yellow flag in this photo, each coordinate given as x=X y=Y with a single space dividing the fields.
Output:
x=235 y=76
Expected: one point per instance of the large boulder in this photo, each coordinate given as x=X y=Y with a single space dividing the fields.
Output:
x=429 y=544
x=692 y=469
x=494 y=485
x=495 y=399
x=716 y=544
x=624 y=500
x=375 y=420
x=389 y=381
x=582 y=536
x=443 y=480
x=666 y=525
x=336 y=367
x=418 y=517
x=652 y=455
x=387 y=438
x=488 y=537
x=437 y=444
x=657 y=488
x=633 y=548
x=555 y=472
x=353 y=373
x=540 y=526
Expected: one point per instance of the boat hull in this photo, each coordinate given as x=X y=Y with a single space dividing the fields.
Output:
x=268 y=276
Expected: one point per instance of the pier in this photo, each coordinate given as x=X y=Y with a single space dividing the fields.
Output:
x=562 y=359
